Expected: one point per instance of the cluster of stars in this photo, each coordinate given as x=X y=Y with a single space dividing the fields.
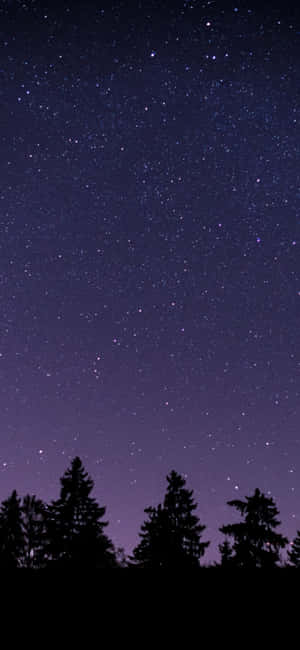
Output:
x=150 y=280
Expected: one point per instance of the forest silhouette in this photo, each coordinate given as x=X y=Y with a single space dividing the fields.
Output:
x=70 y=532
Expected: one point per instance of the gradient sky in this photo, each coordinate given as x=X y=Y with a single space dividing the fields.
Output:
x=149 y=268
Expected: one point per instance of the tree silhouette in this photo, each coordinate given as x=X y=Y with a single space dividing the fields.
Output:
x=34 y=531
x=170 y=538
x=256 y=543
x=226 y=555
x=11 y=533
x=74 y=528
x=152 y=551
x=294 y=553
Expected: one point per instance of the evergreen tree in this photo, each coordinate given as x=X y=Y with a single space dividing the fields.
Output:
x=11 y=533
x=185 y=529
x=226 y=554
x=256 y=544
x=171 y=537
x=74 y=528
x=152 y=551
x=294 y=553
x=34 y=530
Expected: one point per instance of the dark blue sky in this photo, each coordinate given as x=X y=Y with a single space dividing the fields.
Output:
x=149 y=268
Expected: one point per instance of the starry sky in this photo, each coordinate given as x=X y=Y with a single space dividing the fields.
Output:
x=149 y=267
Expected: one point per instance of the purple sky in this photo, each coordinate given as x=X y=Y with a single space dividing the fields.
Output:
x=149 y=268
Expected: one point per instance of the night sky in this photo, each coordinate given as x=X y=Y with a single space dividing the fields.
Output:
x=150 y=252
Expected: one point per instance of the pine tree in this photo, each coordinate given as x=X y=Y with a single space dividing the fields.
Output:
x=74 y=528
x=170 y=538
x=34 y=530
x=256 y=543
x=11 y=533
x=152 y=551
x=294 y=553
x=186 y=530
x=226 y=554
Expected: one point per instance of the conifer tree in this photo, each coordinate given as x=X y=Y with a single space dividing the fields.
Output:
x=11 y=533
x=185 y=528
x=226 y=554
x=256 y=544
x=34 y=531
x=294 y=553
x=74 y=525
x=152 y=551
x=171 y=537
